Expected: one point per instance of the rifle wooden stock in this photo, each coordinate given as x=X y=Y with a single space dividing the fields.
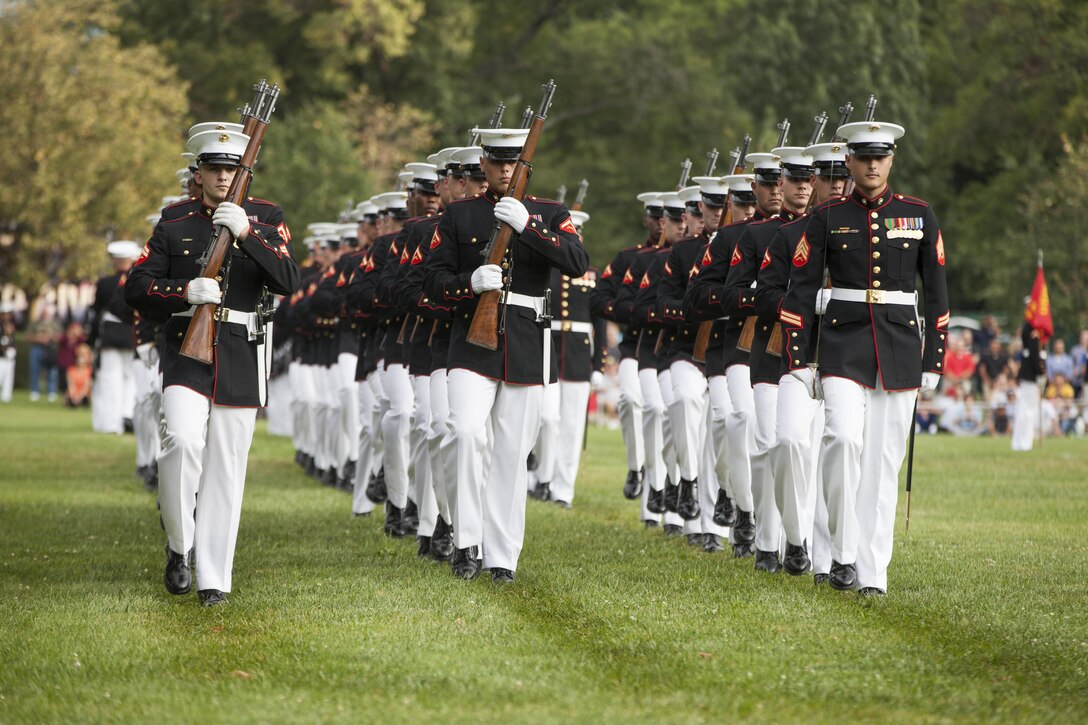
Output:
x=200 y=336
x=702 y=341
x=774 y=343
x=747 y=334
x=403 y=329
x=660 y=342
x=484 y=330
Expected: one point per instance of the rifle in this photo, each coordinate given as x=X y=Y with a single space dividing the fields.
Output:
x=483 y=331
x=561 y=193
x=711 y=161
x=203 y=331
x=685 y=171
x=580 y=197
x=748 y=333
x=702 y=337
x=493 y=122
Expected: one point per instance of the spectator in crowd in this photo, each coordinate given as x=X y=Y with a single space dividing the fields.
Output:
x=959 y=362
x=79 y=377
x=1059 y=362
x=998 y=422
x=1080 y=362
x=66 y=351
x=1059 y=394
x=928 y=412
x=7 y=354
x=960 y=417
x=988 y=331
x=993 y=364
x=43 y=333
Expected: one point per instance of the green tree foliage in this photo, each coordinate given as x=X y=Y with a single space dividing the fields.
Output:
x=85 y=124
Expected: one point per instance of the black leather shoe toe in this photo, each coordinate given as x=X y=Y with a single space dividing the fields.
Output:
x=176 y=577
x=797 y=562
x=695 y=540
x=542 y=491
x=743 y=549
x=712 y=544
x=212 y=597
x=672 y=530
x=502 y=576
x=464 y=563
x=724 y=512
x=744 y=530
x=423 y=546
x=650 y=524
x=655 y=502
x=819 y=579
x=672 y=495
x=844 y=577
x=394 y=521
x=871 y=592
x=632 y=487
x=441 y=541
x=687 y=504
x=767 y=561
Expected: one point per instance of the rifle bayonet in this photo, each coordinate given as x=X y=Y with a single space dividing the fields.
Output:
x=527 y=117
x=845 y=111
x=870 y=108
x=711 y=161
x=742 y=155
x=580 y=197
x=685 y=171
x=561 y=193
x=784 y=132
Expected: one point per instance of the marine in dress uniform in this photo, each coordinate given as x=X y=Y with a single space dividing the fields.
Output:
x=209 y=410
x=582 y=346
x=708 y=301
x=113 y=393
x=7 y=353
x=602 y=304
x=637 y=303
x=688 y=412
x=799 y=421
x=1030 y=379
x=765 y=368
x=872 y=360
x=504 y=385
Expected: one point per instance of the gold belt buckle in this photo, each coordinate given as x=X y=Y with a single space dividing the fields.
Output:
x=874 y=296
x=220 y=315
x=566 y=327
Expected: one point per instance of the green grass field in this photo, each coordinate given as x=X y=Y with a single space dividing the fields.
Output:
x=331 y=621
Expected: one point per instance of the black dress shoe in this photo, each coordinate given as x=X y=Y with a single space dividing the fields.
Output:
x=632 y=488
x=672 y=530
x=797 y=562
x=672 y=495
x=177 y=578
x=844 y=577
x=871 y=592
x=152 y=483
x=819 y=579
x=767 y=561
x=502 y=576
x=464 y=563
x=712 y=543
x=531 y=462
x=687 y=504
x=724 y=513
x=695 y=540
x=300 y=458
x=744 y=530
x=349 y=470
x=655 y=502
x=375 y=490
x=394 y=521
x=650 y=524
x=441 y=541
x=329 y=478
x=543 y=491
x=311 y=466
x=212 y=597
x=410 y=517
x=743 y=549
x=423 y=546
x=361 y=515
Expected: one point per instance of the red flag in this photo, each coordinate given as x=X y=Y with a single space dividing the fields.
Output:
x=1037 y=313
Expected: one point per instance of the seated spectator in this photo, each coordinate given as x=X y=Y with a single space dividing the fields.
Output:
x=928 y=413
x=993 y=364
x=959 y=363
x=998 y=423
x=961 y=417
x=1080 y=362
x=1059 y=362
x=79 y=375
x=1059 y=393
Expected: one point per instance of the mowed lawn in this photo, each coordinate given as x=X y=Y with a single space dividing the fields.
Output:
x=331 y=621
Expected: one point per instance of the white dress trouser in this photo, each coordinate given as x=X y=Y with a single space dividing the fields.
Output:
x=768 y=520
x=708 y=485
x=441 y=466
x=112 y=396
x=547 y=440
x=488 y=502
x=799 y=424
x=668 y=441
x=205 y=449
x=328 y=410
x=719 y=408
x=687 y=415
x=1025 y=425
x=396 y=424
x=146 y=414
x=740 y=434
x=865 y=442
x=573 y=403
x=369 y=427
x=629 y=409
x=298 y=406
x=281 y=406
x=347 y=447
x=7 y=378
x=419 y=467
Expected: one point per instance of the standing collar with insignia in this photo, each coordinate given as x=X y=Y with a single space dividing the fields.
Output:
x=876 y=202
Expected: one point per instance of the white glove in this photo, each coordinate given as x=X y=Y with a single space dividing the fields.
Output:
x=930 y=381
x=202 y=291
x=234 y=218
x=10 y=353
x=811 y=381
x=822 y=298
x=486 y=278
x=147 y=353
x=596 y=379
x=513 y=212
